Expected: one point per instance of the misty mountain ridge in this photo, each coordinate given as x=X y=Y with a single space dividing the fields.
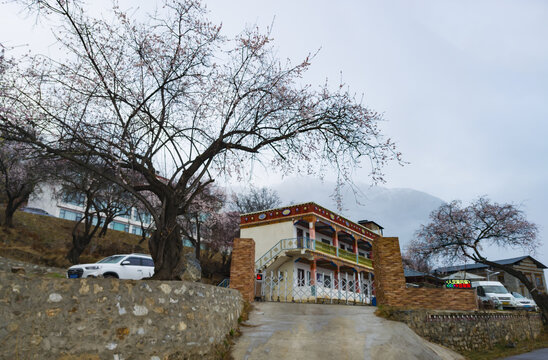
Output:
x=400 y=211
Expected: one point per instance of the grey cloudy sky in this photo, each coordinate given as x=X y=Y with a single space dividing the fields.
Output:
x=463 y=84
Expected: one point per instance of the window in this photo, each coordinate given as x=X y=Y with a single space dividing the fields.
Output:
x=70 y=215
x=147 y=262
x=361 y=254
x=125 y=213
x=136 y=230
x=308 y=278
x=74 y=199
x=319 y=278
x=187 y=243
x=119 y=226
x=134 y=260
x=111 y=259
x=300 y=277
x=326 y=241
x=140 y=215
x=538 y=280
x=327 y=281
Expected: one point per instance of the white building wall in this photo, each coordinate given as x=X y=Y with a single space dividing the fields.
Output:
x=44 y=199
x=266 y=236
x=47 y=199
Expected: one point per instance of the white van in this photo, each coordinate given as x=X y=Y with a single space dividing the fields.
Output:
x=496 y=292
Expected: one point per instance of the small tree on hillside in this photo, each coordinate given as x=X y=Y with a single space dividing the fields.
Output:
x=457 y=232
x=101 y=200
x=255 y=200
x=22 y=169
x=171 y=90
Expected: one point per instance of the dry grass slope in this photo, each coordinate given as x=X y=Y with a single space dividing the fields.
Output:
x=45 y=240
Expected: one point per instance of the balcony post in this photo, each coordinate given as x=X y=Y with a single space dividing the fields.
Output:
x=336 y=240
x=312 y=232
x=355 y=248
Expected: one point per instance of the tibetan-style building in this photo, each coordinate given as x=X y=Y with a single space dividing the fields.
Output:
x=306 y=251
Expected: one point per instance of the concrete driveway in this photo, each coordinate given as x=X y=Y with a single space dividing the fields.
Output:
x=313 y=331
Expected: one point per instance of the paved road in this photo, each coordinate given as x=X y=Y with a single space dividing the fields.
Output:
x=541 y=354
x=313 y=331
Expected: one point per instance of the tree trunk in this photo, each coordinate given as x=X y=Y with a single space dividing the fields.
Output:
x=79 y=244
x=166 y=247
x=8 y=213
x=81 y=240
x=542 y=301
x=198 y=240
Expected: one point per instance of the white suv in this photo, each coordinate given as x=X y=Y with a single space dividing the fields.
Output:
x=132 y=266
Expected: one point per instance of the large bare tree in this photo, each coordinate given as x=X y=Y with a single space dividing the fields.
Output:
x=170 y=94
x=464 y=232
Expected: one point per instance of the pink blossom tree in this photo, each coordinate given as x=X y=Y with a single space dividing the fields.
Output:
x=170 y=92
x=462 y=233
x=196 y=221
x=223 y=228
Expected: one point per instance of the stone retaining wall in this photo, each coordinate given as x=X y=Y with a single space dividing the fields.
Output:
x=470 y=331
x=44 y=318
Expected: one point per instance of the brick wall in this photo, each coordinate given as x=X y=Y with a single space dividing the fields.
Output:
x=242 y=267
x=391 y=290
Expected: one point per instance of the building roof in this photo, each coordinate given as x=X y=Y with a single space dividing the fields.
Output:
x=411 y=272
x=291 y=212
x=365 y=222
x=511 y=261
x=463 y=275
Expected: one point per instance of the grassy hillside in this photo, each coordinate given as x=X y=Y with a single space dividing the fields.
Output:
x=46 y=240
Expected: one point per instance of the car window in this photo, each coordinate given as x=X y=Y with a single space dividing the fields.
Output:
x=495 y=289
x=134 y=260
x=111 y=259
x=147 y=262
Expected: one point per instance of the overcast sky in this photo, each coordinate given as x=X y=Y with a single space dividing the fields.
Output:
x=463 y=85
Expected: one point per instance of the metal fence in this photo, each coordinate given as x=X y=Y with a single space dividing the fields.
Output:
x=285 y=287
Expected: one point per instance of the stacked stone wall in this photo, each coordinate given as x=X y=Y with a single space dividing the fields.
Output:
x=471 y=331
x=242 y=268
x=48 y=318
x=391 y=290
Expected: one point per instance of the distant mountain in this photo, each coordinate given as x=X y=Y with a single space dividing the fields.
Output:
x=399 y=211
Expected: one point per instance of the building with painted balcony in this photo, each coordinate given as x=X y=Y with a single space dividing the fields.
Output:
x=306 y=252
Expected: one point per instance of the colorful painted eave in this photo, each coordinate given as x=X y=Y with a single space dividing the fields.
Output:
x=299 y=210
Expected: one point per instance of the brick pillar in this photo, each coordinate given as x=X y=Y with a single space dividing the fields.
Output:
x=242 y=268
x=389 y=279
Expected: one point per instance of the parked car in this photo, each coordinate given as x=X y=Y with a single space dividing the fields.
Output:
x=132 y=266
x=524 y=303
x=496 y=292
x=35 y=211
